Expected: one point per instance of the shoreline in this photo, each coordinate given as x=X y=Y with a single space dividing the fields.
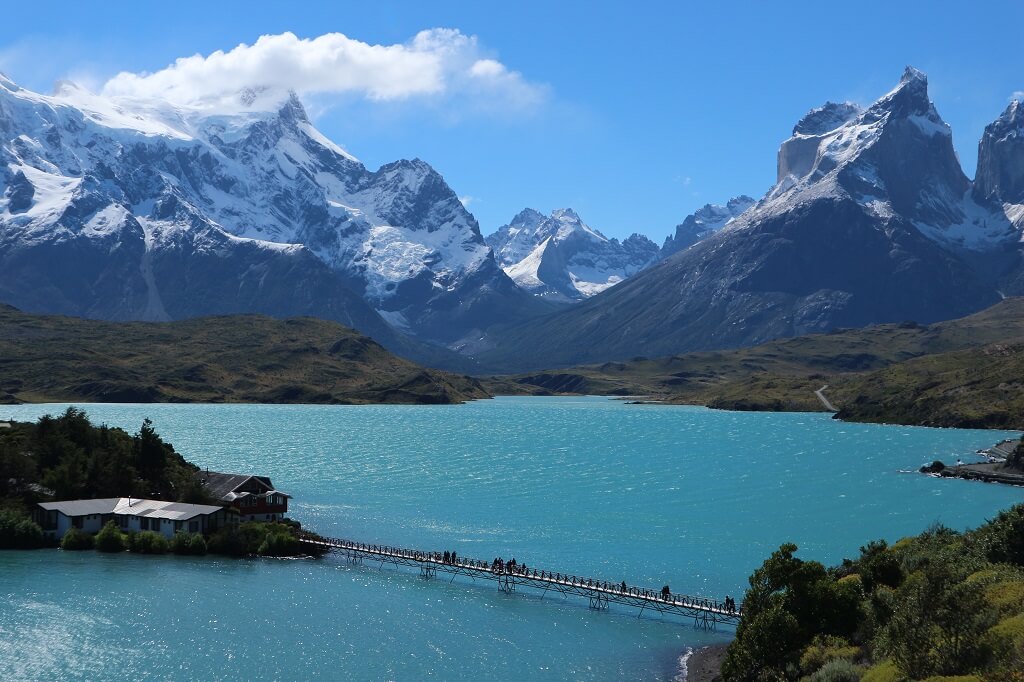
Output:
x=705 y=664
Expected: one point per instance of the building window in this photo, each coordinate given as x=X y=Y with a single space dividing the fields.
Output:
x=178 y=525
x=154 y=524
x=77 y=521
x=144 y=524
x=193 y=526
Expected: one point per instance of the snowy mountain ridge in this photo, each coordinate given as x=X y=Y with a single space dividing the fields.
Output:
x=562 y=258
x=77 y=166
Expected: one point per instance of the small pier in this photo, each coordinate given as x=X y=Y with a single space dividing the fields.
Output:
x=705 y=613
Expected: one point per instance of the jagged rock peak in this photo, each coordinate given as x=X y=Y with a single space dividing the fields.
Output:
x=826 y=118
x=909 y=98
x=292 y=108
x=704 y=222
x=1000 y=175
x=911 y=75
x=565 y=214
x=528 y=217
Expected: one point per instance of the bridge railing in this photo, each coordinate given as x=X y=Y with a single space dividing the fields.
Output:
x=590 y=585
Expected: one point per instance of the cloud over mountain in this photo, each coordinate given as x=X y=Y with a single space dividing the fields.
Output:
x=437 y=63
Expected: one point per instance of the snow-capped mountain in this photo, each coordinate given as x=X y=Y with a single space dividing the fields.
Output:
x=137 y=209
x=871 y=220
x=562 y=258
x=703 y=223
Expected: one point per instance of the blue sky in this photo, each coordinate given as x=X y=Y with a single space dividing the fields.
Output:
x=639 y=112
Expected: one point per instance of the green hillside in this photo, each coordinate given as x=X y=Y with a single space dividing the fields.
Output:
x=966 y=372
x=237 y=358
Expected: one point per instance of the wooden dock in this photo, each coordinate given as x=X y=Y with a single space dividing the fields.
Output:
x=705 y=613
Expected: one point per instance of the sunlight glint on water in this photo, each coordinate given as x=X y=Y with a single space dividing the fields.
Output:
x=650 y=494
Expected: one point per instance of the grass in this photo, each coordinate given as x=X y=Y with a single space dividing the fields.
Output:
x=237 y=358
x=966 y=372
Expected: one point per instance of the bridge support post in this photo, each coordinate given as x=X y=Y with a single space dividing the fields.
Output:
x=599 y=602
x=506 y=584
x=428 y=571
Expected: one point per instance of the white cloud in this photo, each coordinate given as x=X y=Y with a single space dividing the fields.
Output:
x=437 y=64
x=1018 y=95
x=467 y=200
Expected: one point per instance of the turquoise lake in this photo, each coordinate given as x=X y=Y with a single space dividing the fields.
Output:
x=692 y=497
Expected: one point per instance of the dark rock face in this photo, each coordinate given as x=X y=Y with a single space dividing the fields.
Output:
x=19 y=193
x=1000 y=175
x=820 y=266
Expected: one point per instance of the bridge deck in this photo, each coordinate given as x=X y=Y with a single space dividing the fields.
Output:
x=706 y=613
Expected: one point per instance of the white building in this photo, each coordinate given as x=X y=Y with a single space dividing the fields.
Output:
x=131 y=514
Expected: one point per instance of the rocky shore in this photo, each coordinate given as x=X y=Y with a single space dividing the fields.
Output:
x=705 y=665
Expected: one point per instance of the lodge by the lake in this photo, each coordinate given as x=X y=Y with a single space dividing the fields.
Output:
x=242 y=497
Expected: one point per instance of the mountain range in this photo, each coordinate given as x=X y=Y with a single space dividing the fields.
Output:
x=871 y=220
x=130 y=209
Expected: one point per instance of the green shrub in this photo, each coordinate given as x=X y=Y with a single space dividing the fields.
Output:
x=18 y=531
x=255 y=537
x=226 y=541
x=197 y=545
x=150 y=542
x=838 y=670
x=886 y=671
x=278 y=544
x=179 y=543
x=1006 y=639
x=187 y=543
x=76 y=539
x=824 y=650
x=110 y=538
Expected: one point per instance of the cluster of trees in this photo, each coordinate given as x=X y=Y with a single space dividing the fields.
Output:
x=17 y=531
x=67 y=457
x=255 y=537
x=941 y=604
x=74 y=459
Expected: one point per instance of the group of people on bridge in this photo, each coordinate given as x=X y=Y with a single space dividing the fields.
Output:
x=513 y=568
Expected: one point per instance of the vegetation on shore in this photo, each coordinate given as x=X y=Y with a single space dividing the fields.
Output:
x=67 y=457
x=235 y=358
x=965 y=373
x=939 y=605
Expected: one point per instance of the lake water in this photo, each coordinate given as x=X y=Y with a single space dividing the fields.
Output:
x=687 y=496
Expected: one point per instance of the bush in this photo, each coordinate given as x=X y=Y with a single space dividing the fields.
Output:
x=278 y=543
x=149 y=542
x=76 y=539
x=837 y=670
x=886 y=671
x=187 y=543
x=18 y=531
x=824 y=650
x=110 y=538
x=255 y=537
x=197 y=545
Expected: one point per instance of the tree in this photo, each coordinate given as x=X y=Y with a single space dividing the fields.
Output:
x=17 y=531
